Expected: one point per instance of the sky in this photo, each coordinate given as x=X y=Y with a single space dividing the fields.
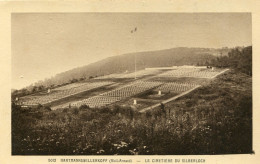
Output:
x=44 y=44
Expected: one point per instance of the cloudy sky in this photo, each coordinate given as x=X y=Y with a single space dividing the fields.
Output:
x=46 y=44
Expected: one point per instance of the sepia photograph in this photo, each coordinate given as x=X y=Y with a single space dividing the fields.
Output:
x=130 y=83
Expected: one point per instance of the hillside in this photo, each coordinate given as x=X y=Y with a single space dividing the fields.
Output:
x=125 y=62
x=215 y=119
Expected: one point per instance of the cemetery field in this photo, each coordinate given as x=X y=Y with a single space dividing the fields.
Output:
x=122 y=88
x=215 y=119
x=94 y=92
x=191 y=80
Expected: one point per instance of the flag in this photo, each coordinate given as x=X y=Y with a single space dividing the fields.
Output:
x=134 y=30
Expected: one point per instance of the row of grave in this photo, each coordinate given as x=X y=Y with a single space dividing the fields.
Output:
x=178 y=72
x=137 y=74
x=130 y=90
x=196 y=73
x=63 y=92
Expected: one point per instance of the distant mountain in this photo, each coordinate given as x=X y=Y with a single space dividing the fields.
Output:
x=121 y=63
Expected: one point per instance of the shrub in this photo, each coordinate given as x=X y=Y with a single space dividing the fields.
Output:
x=65 y=110
x=48 y=108
x=84 y=106
x=39 y=106
x=75 y=111
x=52 y=115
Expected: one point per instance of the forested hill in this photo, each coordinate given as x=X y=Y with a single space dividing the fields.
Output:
x=121 y=63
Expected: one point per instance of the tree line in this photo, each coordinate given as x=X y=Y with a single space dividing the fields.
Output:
x=238 y=59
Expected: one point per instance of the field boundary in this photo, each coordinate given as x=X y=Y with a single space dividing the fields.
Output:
x=219 y=73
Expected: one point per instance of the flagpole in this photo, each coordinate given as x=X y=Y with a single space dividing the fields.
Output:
x=132 y=31
x=135 y=65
